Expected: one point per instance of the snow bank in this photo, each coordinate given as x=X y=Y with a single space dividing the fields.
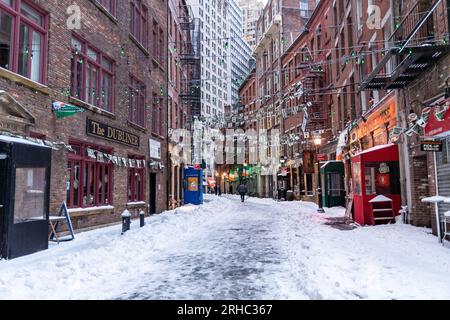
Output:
x=258 y=250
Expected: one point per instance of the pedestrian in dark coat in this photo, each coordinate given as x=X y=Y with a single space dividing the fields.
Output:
x=242 y=190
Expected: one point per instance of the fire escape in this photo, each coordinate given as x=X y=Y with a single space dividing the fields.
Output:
x=312 y=83
x=190 y=59
x=415 y=45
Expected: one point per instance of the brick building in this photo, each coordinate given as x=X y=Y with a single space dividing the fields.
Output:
x=306 y=101
x=247 y=96
x=112 y=70
x=279 y=24
x=421 y=78
x=184 y=98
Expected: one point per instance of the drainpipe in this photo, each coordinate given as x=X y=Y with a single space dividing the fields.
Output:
x=405 y=167
x=168 y=170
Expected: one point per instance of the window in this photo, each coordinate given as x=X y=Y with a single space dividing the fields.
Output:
x=24 y=54
x=157 y=115
x=139 y=21
x=92 y=76
x=136 y=178
x=137 y=96
x=161 y=47
x=30 y=194
x=89 y=176
x=382 y=178
x=109 y=5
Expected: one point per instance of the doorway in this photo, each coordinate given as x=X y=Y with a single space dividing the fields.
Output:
x=24 y=198
x=152 y=193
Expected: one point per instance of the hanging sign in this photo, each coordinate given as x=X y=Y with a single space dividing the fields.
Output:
x=63 y=110
x=439 y=119
x=431 y=146
x=107 y=132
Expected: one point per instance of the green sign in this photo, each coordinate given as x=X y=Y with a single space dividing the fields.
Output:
x=63 y=110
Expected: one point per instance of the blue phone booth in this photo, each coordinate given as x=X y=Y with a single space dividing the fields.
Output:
x=193 y=189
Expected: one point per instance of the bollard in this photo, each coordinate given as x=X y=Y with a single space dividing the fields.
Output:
x=142 y=218
x=126 y=221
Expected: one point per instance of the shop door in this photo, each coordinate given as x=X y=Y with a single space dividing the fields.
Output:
x=29 y=226
x=26 y=207
x=153 y=193
x=335 y=192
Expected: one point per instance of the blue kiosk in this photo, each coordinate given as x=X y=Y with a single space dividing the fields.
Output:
x=193 y=189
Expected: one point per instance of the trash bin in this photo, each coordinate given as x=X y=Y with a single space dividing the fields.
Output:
x=290 y=195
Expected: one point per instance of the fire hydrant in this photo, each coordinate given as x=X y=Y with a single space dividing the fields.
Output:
x=126 y=221
x=142 y=218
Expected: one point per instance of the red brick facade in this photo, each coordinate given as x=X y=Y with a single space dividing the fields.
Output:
x=110 y=35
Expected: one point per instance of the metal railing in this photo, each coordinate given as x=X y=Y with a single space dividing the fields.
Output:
x=417 y=27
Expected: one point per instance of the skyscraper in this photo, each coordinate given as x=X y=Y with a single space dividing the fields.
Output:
x=214 y=31
x=239 y=52
x=251 y=10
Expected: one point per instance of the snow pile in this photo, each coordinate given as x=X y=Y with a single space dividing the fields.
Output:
x=228 y=250
x=383 y=262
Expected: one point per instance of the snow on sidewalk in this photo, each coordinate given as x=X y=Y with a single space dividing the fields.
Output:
x=384 y=262
x=308 y=259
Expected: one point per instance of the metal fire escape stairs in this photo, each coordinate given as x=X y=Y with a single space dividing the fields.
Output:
x=312 y=81
x=413 y=45
x=190 y=60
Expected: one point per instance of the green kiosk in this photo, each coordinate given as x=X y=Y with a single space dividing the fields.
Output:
x=332 y=175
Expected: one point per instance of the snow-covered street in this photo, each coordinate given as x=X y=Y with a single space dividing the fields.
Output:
x=228 y=250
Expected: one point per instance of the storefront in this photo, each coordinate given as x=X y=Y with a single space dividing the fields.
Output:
x=373 y=167
x=376 y=172
x=24 y=182
x=332 y=175
x=25 y=169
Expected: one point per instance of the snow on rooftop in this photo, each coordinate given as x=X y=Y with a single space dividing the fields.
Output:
x=9 y=139
x=377 y=148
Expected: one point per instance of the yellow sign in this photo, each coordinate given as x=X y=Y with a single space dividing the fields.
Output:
x=193 y=184
x=385 y=114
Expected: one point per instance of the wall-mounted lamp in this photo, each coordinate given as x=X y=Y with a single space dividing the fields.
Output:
x=3 y=156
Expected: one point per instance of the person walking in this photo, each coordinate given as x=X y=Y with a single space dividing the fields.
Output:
x=242 y=190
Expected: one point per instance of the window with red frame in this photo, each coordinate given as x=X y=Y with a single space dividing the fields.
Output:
x=89 y=181
x=139 y=21
x=136 y=181
x=157 y=115
x=161 y=117
x=92 y=75
x=109 y=5
x=161 y=47
x=23 y=38
x=136 y=91
x=155 y=39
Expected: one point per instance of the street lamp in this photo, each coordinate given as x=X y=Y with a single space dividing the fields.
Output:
x=318 y=143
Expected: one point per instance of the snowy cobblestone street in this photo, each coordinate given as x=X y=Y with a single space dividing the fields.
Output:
x=228 y=250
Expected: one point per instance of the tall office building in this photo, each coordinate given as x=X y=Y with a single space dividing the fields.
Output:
x=239 y=52
x=251 y=10
x=214 y=31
